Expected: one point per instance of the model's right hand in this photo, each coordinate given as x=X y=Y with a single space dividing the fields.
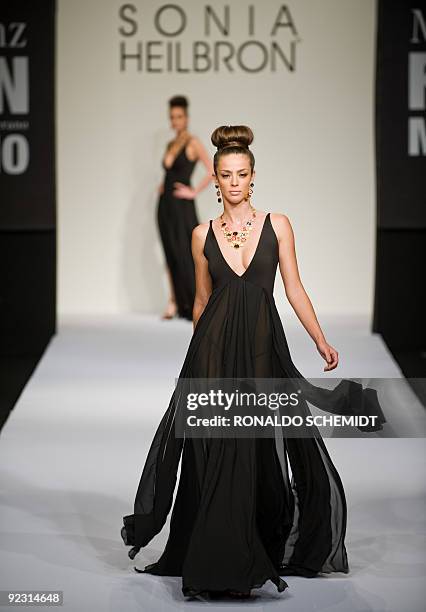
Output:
x=328 y=353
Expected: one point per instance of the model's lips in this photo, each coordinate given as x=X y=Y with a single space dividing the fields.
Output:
x=235 y=192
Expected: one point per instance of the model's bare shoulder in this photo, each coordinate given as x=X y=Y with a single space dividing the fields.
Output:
x=199 y=234
x=193 y=148
x=282 y=226
x=194 y=141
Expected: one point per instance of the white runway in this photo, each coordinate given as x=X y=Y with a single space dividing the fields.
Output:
x=73 y=449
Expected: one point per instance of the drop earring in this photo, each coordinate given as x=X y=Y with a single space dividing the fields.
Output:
x=250 y=193
x=219 y=195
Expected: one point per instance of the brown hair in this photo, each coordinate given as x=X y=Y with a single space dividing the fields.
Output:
x=181 y=101
x=232 y=139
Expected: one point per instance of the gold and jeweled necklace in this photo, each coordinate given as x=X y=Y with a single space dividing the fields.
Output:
x=238 y=239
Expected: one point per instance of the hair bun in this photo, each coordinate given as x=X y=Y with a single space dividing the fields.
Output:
x=232 y=135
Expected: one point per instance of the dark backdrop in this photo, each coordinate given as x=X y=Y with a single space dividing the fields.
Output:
x=27 y=176
x=27 y=190
x=400 y=304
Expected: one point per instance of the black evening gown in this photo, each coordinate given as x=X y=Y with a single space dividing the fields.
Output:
x=239 y=519
x=176 y=219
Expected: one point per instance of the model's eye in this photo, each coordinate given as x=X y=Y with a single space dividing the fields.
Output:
x=243 y=175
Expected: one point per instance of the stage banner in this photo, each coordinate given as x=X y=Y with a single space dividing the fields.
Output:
x=401 y=114
x=27 y=146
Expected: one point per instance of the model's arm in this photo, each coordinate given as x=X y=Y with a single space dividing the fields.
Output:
x=295 y=291
x=160 y=188
x=204 y=157
x=203 y=283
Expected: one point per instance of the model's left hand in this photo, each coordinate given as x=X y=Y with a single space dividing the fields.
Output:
x=328 y=353
x=183 y=192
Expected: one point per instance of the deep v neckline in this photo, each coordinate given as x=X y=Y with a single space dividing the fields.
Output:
x=253 y=256
x=181 y=150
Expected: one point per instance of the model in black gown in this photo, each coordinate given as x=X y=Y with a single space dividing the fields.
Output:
x=176 y=219
x=238 y=519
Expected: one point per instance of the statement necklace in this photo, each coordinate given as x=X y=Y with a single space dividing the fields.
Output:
x=238 y=239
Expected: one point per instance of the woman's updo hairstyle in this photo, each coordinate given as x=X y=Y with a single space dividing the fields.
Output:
x=180 y=101
x=232 y=139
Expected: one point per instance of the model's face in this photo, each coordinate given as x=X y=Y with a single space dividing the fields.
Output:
x=178 y=118
x=234 y=176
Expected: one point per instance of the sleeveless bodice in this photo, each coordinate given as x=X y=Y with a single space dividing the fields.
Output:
x=181 y=170
x=262 y=268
